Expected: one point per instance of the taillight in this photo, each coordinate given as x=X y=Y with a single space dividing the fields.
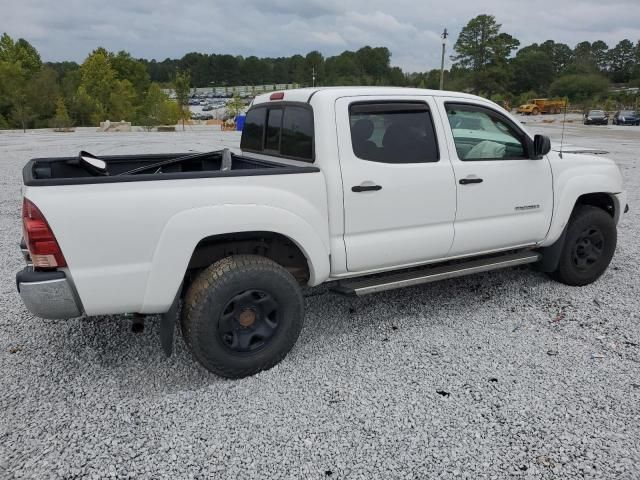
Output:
x=43 y=247
x=277 y=96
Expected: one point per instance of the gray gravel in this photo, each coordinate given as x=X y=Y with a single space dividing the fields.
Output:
x=490 y=376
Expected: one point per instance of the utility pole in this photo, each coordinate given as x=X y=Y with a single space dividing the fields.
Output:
x=313 y=76
x=444 y=36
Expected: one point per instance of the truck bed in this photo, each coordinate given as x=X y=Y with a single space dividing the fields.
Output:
x=66 y=170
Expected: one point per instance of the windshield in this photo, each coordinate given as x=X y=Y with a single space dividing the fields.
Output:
x=630 y=113
x=596 y=113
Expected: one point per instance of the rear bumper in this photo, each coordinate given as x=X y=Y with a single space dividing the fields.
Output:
x=48 y=294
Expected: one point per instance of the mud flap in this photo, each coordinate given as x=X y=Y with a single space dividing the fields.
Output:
x=168 y=325
x=551 y=254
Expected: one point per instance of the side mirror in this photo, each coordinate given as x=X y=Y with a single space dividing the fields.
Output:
x=541 y=146
x=92 y=164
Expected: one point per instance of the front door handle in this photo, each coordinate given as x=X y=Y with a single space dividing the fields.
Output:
x=366 y=188
x=467 y=181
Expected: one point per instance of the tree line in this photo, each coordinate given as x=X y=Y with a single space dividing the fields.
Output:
x=116 y=86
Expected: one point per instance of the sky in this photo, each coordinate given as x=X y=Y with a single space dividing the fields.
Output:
x=71 y=29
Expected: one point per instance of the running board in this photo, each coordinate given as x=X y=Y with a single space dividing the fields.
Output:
x=366 y=286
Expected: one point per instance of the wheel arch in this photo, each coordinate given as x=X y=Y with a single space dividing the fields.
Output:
x=275 y=246
x=607 y=202
x=194 y=236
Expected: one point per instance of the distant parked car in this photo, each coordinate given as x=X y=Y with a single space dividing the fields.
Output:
x=207 y=108
x=626 y=117
x=206 y=116
x=596 y=117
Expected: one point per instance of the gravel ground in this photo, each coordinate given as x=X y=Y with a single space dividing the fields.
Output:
x=490 y=376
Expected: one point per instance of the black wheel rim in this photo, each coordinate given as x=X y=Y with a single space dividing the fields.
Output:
x=248 y=321
x=588 y=248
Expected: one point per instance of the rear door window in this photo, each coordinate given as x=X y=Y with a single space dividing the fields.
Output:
x=393 y=132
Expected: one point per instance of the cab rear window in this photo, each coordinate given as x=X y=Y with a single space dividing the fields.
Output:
x=284 y=130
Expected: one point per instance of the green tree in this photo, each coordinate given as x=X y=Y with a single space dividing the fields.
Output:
x=132 y=70
x=98 y=77
x=480 y=44
x=12 y=82
x=83 y=107
x=533 y=69
x=484 y=50
x=635 y=72
x=314 y=61
x=580 y=88
x=561 y=55
x=182 y=86
x=622 y=60
x=235 y=107
x=158 y=109
x=600 y=54
x=61 y=120
x=13 y=94
x=41 y=91
x=583 y=59
x=19 y=61
x=21 y=52
x=374 y=62
x=122 y=101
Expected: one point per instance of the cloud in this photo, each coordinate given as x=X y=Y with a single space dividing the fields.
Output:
x=71 y=29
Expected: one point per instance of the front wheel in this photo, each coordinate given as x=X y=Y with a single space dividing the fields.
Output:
x=589 y=246
x=242 y=315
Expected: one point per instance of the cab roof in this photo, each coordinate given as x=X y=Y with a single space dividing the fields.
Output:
x=332 y=93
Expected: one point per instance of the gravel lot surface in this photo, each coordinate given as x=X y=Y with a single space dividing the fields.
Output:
x=490 y=376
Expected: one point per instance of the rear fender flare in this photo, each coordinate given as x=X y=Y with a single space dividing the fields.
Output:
x=185 y=229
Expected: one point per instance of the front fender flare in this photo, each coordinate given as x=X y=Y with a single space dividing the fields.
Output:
x=569 y=193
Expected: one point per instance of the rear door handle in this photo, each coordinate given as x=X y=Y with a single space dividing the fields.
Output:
x=466 y=181
x=366 y=188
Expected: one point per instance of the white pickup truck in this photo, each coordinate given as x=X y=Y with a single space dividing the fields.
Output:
x=368 y=188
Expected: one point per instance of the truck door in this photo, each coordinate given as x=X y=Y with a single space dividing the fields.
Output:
x=398 y=183
x=505 y=199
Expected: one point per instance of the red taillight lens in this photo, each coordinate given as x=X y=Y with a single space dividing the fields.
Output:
x=43 y=247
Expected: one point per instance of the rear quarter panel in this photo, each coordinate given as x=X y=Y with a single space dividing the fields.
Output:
x=127 y=245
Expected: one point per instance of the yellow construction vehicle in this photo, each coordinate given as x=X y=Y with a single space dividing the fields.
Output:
x=542 y=105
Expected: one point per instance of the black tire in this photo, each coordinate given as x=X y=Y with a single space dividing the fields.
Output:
x=589 y=246
x=242 y=315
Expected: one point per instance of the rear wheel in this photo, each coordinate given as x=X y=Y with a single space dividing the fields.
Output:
x=242 y=315
x=589 y=246
x=535 y=111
